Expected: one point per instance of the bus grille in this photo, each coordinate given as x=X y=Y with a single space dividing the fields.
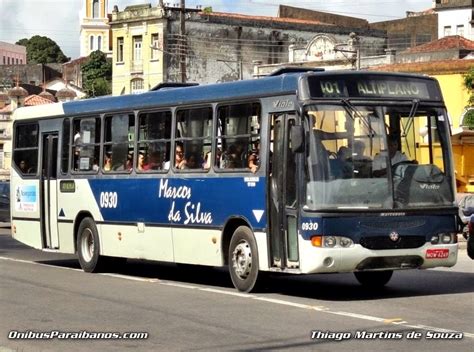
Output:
x=398 y=262
x=384 y=242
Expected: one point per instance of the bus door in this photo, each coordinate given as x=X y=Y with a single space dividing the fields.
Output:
x=283 y=194
x=49 y=205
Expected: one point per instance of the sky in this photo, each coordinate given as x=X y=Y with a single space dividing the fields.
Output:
x=60 y=19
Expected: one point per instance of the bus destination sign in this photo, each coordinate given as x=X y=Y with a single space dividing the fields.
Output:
x=377 y=87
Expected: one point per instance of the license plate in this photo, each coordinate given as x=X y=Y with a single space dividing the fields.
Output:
x=437 y=253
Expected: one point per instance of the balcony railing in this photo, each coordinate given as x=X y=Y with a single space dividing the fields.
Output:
x=136 y=67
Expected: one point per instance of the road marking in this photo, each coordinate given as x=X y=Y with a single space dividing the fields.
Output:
x=393 y=321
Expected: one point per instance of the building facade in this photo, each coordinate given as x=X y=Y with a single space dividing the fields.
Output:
x=455 y=17
x=137 y=60
x=149 y=47
x=12 y=54
x=95 y=29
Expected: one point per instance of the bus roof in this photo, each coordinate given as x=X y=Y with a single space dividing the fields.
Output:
x=268 y=86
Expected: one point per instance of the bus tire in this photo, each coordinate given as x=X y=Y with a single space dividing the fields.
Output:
x=470 y=246
x=374 y=279
x=243 y=259
x=88 y=246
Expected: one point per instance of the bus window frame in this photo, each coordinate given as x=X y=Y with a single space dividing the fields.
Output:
x=175 y=140
x=215 y=137
x=99 y=144
x=137 y=141
x=15 y=148
x=104 y=144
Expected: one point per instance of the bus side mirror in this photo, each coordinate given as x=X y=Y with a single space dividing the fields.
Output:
x=297 y=139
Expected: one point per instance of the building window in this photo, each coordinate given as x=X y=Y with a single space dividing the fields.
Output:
x=137 y=86
x=137 y=48
x=120 y=49
x=460 y=30
x=447 y=31
x=95 y=9
x=155 y=45
x=4 y=60
x=99 y=42
x=8 y=60
x=91 y=44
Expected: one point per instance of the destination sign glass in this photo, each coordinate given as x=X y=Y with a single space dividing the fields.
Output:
x=367 y=86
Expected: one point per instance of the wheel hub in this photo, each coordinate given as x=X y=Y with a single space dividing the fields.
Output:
x=87 y=245
x=242 y=259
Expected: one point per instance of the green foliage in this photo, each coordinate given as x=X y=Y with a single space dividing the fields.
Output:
x=42 y=50
x=469 y=84
x=207 y=9
x=97 y=75
x=468 y=119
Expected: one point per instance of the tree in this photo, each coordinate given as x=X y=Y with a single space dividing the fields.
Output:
x=42 y=50
x=97 y=75
x=468 y=119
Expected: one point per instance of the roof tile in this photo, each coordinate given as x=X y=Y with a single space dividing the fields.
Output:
x=443 y=44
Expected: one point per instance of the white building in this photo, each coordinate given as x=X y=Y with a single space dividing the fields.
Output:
x=455 y=17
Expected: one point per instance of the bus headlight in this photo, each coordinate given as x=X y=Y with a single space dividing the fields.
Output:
x=445 y=238
x=346 y=242
x=330 y=241
x=434 y=239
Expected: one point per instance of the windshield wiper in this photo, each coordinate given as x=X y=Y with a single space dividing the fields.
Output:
x=409 y=124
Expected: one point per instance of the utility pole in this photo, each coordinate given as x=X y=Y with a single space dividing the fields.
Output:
x=182 y=59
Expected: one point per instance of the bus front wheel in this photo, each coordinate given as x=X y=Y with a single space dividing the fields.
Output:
x=243 y=259
x=88 y=247
x=374 y=279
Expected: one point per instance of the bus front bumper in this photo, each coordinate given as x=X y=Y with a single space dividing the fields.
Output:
x=358 y=258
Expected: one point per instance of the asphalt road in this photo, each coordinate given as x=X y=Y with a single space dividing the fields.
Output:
x=185 y=309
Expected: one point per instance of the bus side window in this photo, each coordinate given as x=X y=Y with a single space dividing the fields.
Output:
x=25 y=154
x=193 y=138
x=154 y=141
x=86 y=143
x=119 y=137
x=238 y=136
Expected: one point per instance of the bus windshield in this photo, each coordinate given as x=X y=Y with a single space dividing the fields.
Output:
x=385 y=157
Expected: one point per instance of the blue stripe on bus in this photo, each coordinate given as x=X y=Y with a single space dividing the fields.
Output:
x=182 y=201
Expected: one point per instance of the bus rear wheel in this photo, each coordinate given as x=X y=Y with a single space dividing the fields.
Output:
x=243 y=259
x=88 y=247
x=374 y=279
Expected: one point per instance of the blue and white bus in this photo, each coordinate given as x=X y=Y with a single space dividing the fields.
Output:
x=298 y=172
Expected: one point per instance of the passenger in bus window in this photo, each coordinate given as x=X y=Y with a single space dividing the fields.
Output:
x=23 y=167
x=192 y=162
x=254 y=157
x=379 y=165
x=142 y=164
x=231 y=158
x=129 y=162
x=108 y=162
x=179 y=159
x=155 y=161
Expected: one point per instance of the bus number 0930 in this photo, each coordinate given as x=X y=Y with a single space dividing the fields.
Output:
x=108 y=199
